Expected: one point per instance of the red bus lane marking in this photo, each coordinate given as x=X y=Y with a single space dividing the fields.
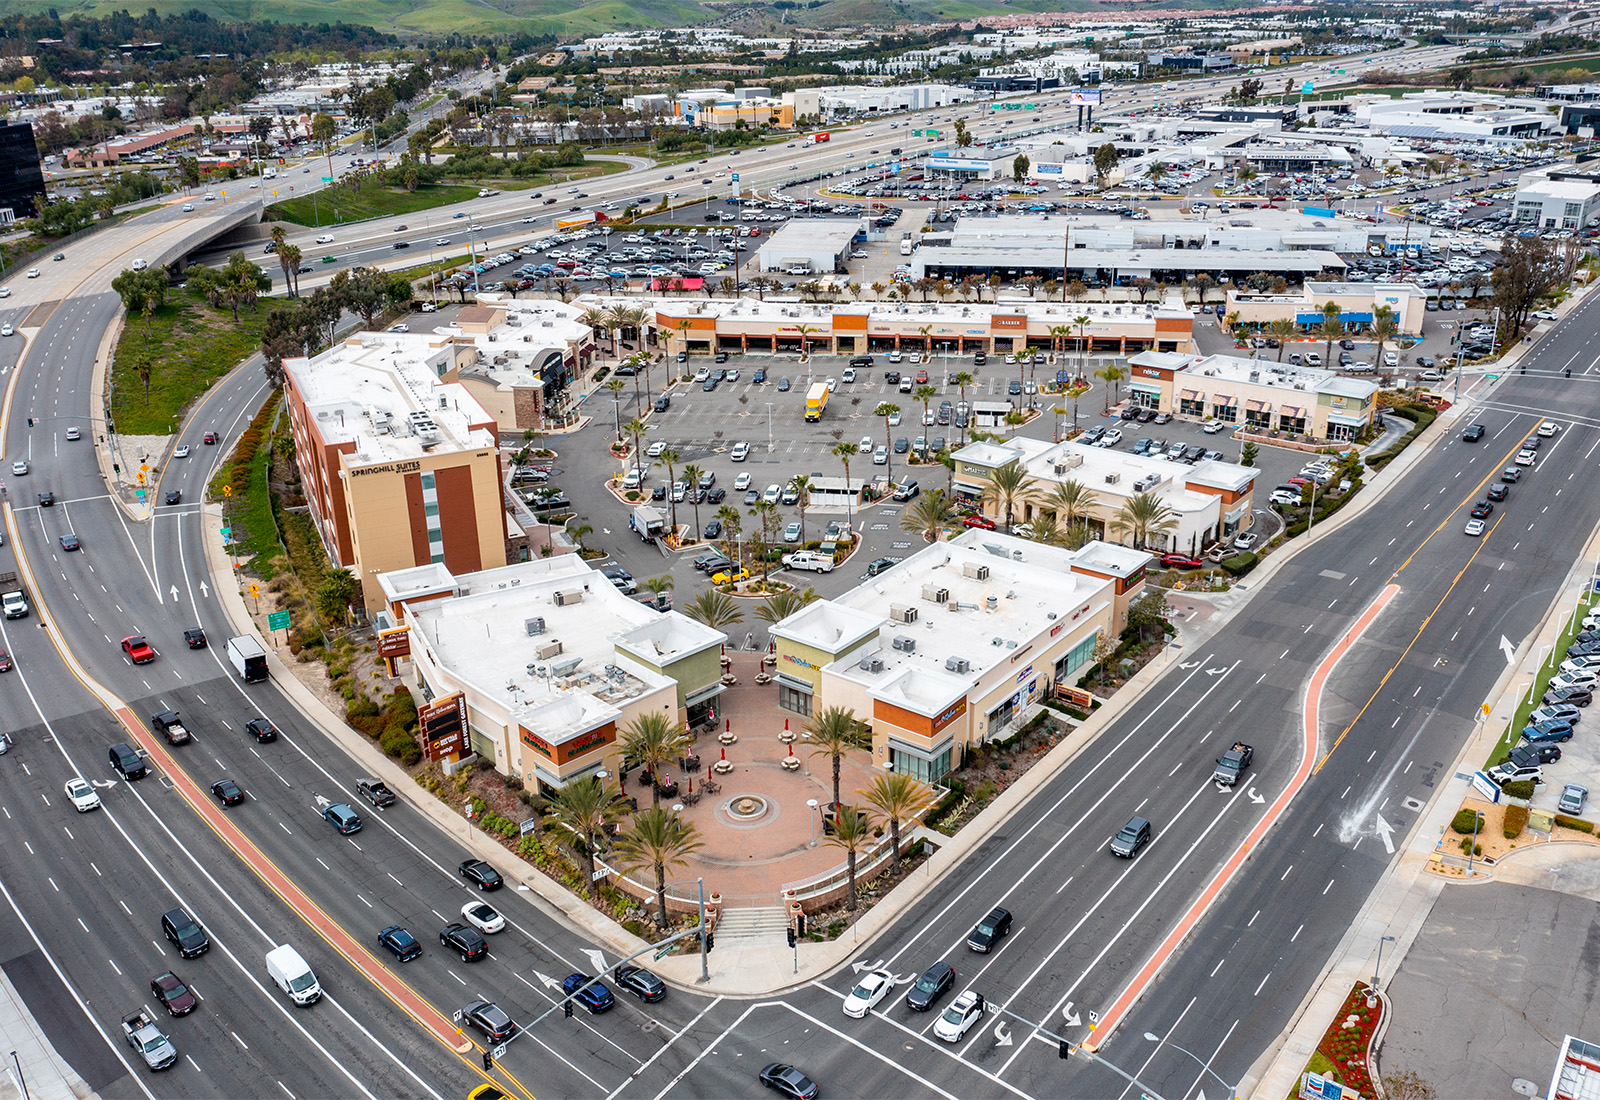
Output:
x=325 y=926
x=1308 y=755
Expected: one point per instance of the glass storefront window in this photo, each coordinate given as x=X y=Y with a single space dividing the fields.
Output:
x=925 y=771
x=791 y=700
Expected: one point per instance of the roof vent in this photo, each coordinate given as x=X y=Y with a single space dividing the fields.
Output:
x=533 y=626
x=992 y=602
x=565 y=665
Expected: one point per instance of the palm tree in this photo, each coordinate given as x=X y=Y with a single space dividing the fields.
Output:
x=1282 y=330
x=802 y=485
x=714 y=609
x=659 y=839
x=1330 y=329
x=658 y=586
x=583 y=807
x=770 y=518
x=615 y=386
x=1142 y=516
x=1110 y=374
x=1047 y=529
x=1005 y=487
x=843 y=451
x=636 y=428
x=852 y=831
x=898 y=797
x=928 y=517
x=1078 y=323
x=963 y=379
x=925 y=394
x=1071 y=501
x=886 y=409
x=579 y=533
x=732 y=522
x=835 y=731
x=691 y=477
x=651 y=741
x=1383 y=327
x=671 y=456
x=780 y=605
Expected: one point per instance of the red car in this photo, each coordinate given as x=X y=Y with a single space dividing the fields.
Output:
x=979 y=521
x=5 y=661
x=1180 y=561
x=210 y=437
x=922 y=377
x=138 y=650
x=177 y=998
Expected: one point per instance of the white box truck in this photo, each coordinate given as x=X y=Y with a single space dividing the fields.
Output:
x=248 y=658
x=292 y=975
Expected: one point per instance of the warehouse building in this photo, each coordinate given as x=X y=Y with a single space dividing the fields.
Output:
x=810 y=246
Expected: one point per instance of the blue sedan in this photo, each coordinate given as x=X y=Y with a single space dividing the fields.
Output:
x=1551 y=730
x=596 y=997
x=402 y=943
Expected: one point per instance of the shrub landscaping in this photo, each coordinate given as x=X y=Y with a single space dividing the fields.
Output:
x=1346 y=1043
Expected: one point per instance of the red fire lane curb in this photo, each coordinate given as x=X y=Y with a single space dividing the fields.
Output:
x=1308 y=755
x=328 y=928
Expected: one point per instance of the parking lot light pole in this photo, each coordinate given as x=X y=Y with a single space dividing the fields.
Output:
x=770 y=444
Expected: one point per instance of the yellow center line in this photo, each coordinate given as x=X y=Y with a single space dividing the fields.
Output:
x=1518 y=446
x=1414 y=639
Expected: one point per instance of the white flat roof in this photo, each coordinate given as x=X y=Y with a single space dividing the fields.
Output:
x=1112 y=473
x=1290 y=379
x=381 y=390
x=482 y=638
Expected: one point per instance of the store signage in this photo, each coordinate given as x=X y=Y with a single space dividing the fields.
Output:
x=388 y=468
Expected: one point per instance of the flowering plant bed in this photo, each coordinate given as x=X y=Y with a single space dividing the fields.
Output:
x=1346 y=1044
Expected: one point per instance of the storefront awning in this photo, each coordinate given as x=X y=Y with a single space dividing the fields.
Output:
x=1189 y=395
x=918 y=751
x=796 y=683
x=1222 y=399
x=1146 y=387
x=1341 y=418
x=1293 y=412
x=1233 y=516
x=711 y=691
x=1255 y=406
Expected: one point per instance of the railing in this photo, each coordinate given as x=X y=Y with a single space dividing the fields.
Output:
x=866 y=864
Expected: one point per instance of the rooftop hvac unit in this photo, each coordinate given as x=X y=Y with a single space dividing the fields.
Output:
x=527 y=337
x=871 y=664
x=1113 y=477
x=974 y=570
x=533 y=626
x=546 y=650
x=565 y=665
x=934 y=594
x=491 y=338
x=568 y=597
x=905 y=643
x=957 y=664
x=901 y=613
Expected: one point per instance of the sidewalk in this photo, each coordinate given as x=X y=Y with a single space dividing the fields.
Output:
x=45 y=1075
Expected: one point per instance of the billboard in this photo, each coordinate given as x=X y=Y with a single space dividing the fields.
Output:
x=1084 y=97
x=444 y=726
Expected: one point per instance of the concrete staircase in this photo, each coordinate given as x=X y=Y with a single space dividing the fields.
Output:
x=752 y=925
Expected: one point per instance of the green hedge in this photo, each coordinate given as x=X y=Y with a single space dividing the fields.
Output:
x=1574 y=823
x=1522 y=788
x=1467 y=822
x=1516 y=821
x=1422 y=415
x=1240 y=564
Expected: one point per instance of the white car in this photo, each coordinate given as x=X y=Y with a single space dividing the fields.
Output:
x=401 y=327
x=19 y=467
x=740 y=452
x=6 y=330
x=1526 y=458
x=483 y=917
x=326 y=238
x=74 y=433
x=1547 y=428
x=81 y=795
x=954 y=1022
x=832 y=385
x=181 y=452
x=894 y=419
x=33 y=273
x=771 y=494
x=188 y=207
x=1212 y=427
x=871 y=989
x=441 y=240
x=655 y=449
x=849 y=374
x=741 y=483
x=1475 y=527
x=866 y=445
x=702 y=374
x=1112 y=437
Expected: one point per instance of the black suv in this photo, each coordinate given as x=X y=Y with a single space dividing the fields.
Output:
x=990 y=930
x=126 y=762
x=1473 y=433
x=262 y=730
x=861 y=361
x=935 y=982
x=464 y=941
x=185 y=933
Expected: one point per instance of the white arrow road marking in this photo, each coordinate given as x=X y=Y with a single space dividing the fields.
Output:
x=1215 y=671
x=1386 y=834
x=205 y=590
x=106 y=783
x=596 y=959
x=1191 y=664
x=549 y=982
x=323 y=803
x=1072 y=1018
x=1002 y=1037
x=1508 y=649
x=174 y=593
x=858 y=966
x=1254 y=797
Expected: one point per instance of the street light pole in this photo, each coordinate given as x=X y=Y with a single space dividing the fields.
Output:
x=1205 y=1065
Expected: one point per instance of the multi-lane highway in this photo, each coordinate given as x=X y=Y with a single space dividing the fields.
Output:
x=83 y=893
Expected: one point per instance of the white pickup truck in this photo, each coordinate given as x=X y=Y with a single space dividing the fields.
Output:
x=143 y=1035
x=809 y=559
